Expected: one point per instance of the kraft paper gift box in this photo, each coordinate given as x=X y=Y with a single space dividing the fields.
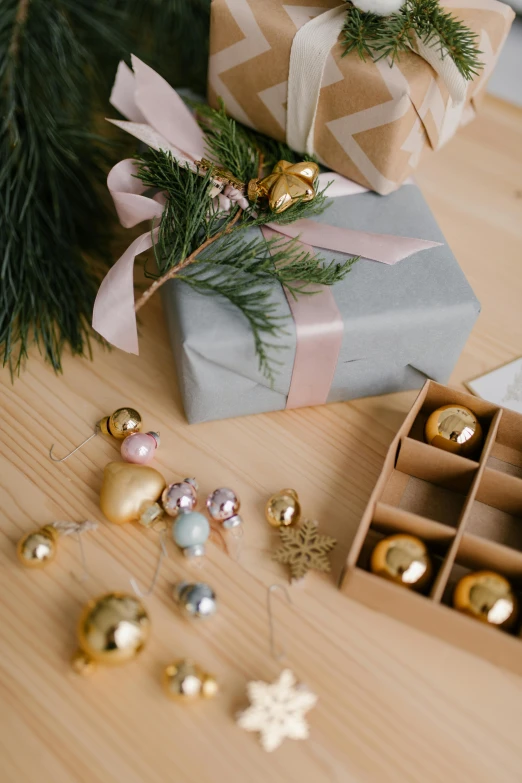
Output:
x=374 y=122
x=400 y=325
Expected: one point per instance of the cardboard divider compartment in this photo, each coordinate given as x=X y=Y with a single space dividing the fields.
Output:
x=467 y=511
x=496 y=514
x=388 y=520
x=477 y=554
x=437 y=396
x=429 y=482
x=506 y=454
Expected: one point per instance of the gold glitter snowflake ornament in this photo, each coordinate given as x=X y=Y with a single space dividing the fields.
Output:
x=303 y=548
x=277 y=710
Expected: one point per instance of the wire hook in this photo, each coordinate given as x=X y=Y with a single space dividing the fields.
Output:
x=62 y=459
x=162 y=555
x=282 y=653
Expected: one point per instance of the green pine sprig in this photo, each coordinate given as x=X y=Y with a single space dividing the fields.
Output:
x=381 y=37
x=212 y=251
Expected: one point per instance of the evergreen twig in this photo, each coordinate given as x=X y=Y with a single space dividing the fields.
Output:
x=381 y=37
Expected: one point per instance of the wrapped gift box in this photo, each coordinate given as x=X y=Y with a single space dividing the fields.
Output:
x=373 y=122
x=402 y=324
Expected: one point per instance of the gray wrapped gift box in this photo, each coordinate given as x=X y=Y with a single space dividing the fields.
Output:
x=402 y=323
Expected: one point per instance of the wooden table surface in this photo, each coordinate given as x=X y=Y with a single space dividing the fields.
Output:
x=394 y=705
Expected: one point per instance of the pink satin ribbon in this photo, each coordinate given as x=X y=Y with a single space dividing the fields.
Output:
x=144 y=97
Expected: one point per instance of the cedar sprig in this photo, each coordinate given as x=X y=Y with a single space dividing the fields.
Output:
x=381 y=37
x=213 y=252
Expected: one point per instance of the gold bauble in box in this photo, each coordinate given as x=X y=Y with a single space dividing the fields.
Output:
x=121 y=423
x=112 y=630
x=186 y=681
x=403 y=559
x=128 y=491
x=486 y=596
x=454 y=428
x=38 y=548
x=283 y=508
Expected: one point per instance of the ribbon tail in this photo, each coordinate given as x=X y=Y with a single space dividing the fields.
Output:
x=162 y=108
x=122 y=95
x=386 y=248
x=113 y=314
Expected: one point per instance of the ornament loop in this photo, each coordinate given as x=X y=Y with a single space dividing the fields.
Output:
x=62 y=459
x=282 y=652
x=161 y=556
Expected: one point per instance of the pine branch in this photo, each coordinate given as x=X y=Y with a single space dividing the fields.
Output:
x=381 y=37
x=51 y=174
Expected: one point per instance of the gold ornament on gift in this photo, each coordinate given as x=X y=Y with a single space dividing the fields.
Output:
x=488 y=597
x=120 y=424
x=286 y=185
x=454 y=428
x=403 y=559
x=185 y=681
x=113 y=629
x=283 y=508
x=130 y=493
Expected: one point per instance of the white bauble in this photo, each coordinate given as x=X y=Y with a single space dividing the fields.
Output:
x=379 y=7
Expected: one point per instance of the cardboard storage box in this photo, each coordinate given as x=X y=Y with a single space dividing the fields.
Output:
x=469 y=513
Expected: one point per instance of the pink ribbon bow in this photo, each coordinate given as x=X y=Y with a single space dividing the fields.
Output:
x=159 y=117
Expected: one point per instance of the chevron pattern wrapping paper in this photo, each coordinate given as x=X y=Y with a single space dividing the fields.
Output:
x=374 y=122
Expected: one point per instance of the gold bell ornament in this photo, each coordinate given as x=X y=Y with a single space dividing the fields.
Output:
x=130 y=493
x=113 y=629
x=454 y=428
x=286 y=185
x=283 y=508
x=488 y=597
x=120 y=424
x=185 y=681
x=38 y=548
x=403 y=559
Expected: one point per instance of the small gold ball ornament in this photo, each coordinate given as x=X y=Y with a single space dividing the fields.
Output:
x=283 y=508
x=486 y=596
x=185 y=681
x=112 y=630
x=38 y=548
x=403 y=559
x=129 y=491
x=454 y=428
x=121 y=423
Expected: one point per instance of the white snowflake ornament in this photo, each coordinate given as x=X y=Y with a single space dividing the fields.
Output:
x=277 y=710
x=379 y=7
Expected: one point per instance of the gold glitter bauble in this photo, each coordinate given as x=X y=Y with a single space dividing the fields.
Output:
x=121 y=423
x=112 y=630
x=38 y=548
x=403 y=559
x=454 y=428
x=283 y=508
x=186 y=681
x=486 y=596
x=128 y=491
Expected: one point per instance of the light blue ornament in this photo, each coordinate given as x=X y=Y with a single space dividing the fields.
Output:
x=190 y=532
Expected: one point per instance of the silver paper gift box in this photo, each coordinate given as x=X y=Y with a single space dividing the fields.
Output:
x=402 y=324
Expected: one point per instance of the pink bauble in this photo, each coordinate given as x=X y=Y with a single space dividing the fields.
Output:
x=140 y=447
x=181 y=496
x=222 y=504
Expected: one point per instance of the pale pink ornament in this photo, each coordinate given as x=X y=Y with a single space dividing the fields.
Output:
x=229 y=196
x=140 y=447
x=223 y=506
x=181 y=496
